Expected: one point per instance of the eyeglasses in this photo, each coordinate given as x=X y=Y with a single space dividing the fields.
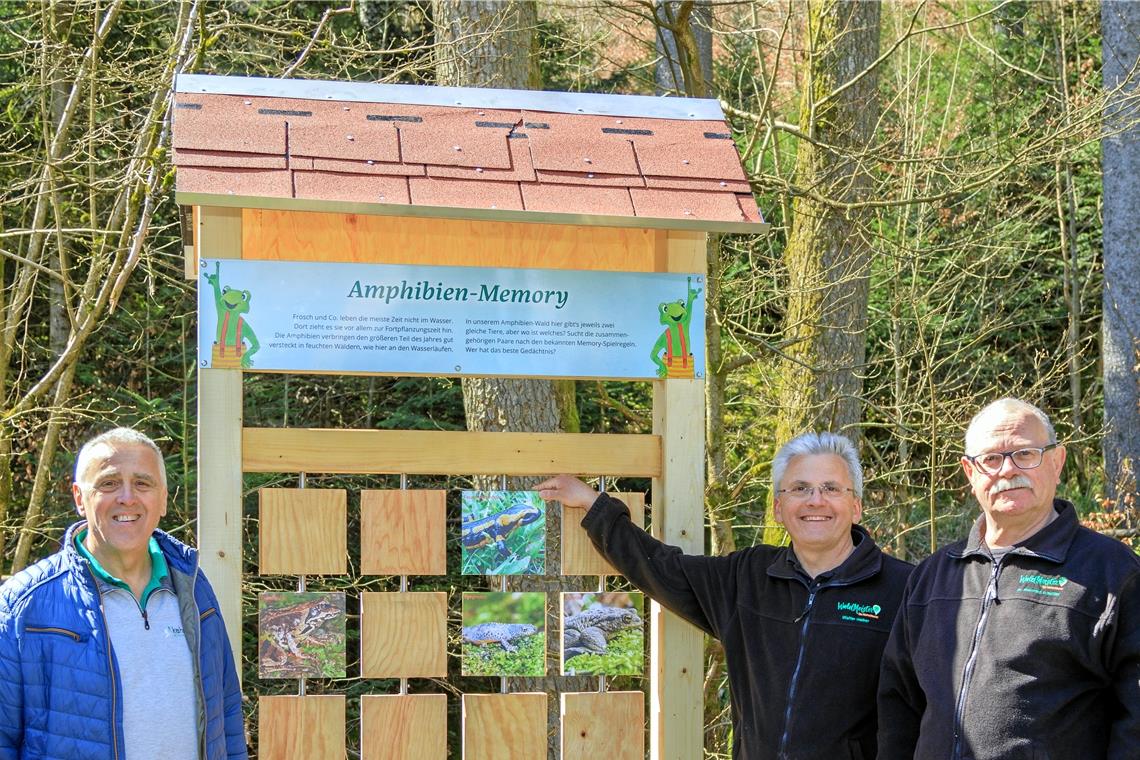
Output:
x=1025 y=459
x=827 y=491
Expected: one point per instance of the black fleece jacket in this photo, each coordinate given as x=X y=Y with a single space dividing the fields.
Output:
x=1034 y=656
x=802 y=654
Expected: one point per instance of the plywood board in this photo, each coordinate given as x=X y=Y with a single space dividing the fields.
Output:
x=301 y=728
x=315 y=236
x=403 y=532
x=403 y=635
x=431 y=452
x=403 y=727
x=608 y=725
x=504 y=727
x=579 y=557
x=302 y=531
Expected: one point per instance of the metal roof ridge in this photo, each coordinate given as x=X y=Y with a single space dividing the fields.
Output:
x=596 y=104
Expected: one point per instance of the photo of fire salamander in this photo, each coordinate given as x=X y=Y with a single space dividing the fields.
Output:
x=503 y=533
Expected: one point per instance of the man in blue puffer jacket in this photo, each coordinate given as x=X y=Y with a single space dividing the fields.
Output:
x=113 y=646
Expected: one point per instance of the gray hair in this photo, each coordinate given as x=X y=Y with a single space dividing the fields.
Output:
x=1009 y=404
x=121 y=436
x=819 y=443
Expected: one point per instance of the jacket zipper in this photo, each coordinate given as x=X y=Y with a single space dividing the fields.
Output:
x=198 y=666
x=968 y=671
x=805 y=616
x=50 y=629
x=110 y=669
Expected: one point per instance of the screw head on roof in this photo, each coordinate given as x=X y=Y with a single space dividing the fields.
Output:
x=685 y=161
x=590 y=175
x=381 y=197
x=587 y=160
x=723 y=183
x=351 y=138
x=493 y=206
x=371 y=162
x=344 y=108
x=478 y=169
x=619 y=121
x=456 y=147
x=247 y=102
x=688 y=212
x=482 y=113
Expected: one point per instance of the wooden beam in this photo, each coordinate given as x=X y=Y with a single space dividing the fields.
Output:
x=676 y=653
x=429 y=452
x=219 y=450
x=361 y=238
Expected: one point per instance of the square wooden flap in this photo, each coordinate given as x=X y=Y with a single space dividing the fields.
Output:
x=609 y=725
x=504 y=727
x=403 y=727
x=579 y=557
x=403 y=635
x=403 y=533
x=301 y=728
x=303 y=531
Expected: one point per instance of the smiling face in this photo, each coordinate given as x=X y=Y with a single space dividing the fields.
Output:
x=1013 y=497
x=815 y=523
x=121 y=495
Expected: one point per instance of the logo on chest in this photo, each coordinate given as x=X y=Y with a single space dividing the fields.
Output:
x=1041 y=585
x=857 y=612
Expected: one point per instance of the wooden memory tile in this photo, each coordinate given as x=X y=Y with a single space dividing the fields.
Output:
x=301 y=728
x=609 y=725
x=403 y=727
x=579 y=557
x=403 y=533
x=504 y=727
x=303 y=531
x=403 y=635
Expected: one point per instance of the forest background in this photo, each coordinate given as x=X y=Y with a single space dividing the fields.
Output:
x=932 y=172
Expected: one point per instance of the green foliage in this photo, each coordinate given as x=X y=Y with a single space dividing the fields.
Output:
x=493 y=660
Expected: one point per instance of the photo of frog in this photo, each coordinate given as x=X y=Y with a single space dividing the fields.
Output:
x=503 y=634
x=300 y=634
x=603 y=634
x=503 y=533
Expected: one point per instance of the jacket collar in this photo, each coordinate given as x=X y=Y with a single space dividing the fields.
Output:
x=865 y=561
x=179 y=556
x=1050 y=543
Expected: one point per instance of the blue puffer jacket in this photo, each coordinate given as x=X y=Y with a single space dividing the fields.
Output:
x=60 y=692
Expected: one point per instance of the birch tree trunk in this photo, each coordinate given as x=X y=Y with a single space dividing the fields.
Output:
x=1120 y=24
x=828 y=256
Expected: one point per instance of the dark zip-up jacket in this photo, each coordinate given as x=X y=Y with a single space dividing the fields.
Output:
x=1034 y=656
x=802 y=654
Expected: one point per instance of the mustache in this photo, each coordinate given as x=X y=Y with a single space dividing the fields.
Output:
x=1008 y=484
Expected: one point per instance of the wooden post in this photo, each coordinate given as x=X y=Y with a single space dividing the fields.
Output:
x=676 y=656
x=219 y=448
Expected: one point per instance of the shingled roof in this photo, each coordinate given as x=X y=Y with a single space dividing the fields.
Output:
x=515 y=155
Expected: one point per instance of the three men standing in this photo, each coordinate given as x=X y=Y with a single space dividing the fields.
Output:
x=113 y=646
x=1023 y=641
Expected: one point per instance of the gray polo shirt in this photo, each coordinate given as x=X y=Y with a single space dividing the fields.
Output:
x=155 y=668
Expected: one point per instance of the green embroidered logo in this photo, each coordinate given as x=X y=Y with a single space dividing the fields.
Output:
x=1041 y=585
x=858 y=613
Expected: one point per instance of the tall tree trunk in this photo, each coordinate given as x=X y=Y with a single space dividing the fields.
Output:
x=828 y=255
x=684 y=47
x=486 y=43
x=1120 y=25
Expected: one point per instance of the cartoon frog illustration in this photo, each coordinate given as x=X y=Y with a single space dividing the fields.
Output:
x=674 y=341
x=233 y=330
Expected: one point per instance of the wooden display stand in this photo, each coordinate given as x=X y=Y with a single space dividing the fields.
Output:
x=337 y=172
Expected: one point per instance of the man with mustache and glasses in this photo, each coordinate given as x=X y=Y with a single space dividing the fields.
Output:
x=803 y=626
x=1023 y=641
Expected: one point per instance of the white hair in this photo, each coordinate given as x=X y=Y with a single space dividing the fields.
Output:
x=121 y=436
x=819 y=443
x=1009 y=404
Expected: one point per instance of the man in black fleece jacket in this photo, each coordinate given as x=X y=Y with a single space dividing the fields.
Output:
x=1023 y=641
x=803 y=627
